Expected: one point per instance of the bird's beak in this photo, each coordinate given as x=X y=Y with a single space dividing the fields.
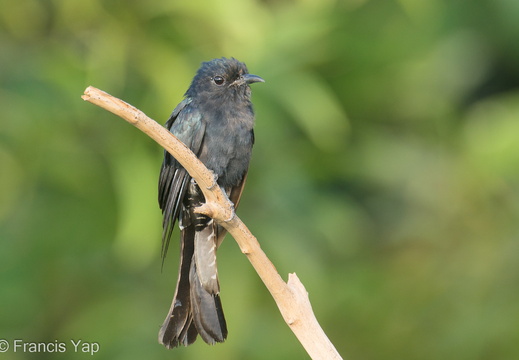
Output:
x=249 y=78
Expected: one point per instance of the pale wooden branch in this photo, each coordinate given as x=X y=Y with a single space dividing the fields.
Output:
x=291 y=298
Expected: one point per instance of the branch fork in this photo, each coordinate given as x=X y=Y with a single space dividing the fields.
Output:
x=217 y=212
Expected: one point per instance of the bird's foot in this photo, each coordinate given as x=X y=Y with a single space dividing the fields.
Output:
x=233 y=213
x=215 y=182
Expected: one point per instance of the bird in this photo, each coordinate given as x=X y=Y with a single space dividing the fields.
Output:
x=215 y=120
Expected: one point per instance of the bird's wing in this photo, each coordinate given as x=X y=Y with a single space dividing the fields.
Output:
x=187 y=125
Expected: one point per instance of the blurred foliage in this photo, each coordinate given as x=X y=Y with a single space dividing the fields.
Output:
x=385 y=173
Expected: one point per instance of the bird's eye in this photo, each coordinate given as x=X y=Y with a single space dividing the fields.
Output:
x=218 y=80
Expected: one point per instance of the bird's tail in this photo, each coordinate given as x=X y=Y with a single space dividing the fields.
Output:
x=207 y=311
x=196 y=307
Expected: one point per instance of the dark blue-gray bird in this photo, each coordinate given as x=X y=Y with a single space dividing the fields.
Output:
x=215 y=120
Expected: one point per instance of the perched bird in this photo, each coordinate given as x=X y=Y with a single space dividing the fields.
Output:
x=215 y=120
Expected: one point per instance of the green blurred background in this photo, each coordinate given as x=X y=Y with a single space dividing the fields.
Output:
x=385 y=173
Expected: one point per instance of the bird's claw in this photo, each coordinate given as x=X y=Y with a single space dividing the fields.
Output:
x=215 y=182
x=233 y=213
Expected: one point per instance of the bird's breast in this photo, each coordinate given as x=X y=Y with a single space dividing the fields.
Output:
x=227 y=146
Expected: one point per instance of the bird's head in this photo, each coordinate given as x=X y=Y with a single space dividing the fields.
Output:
x=222 y=80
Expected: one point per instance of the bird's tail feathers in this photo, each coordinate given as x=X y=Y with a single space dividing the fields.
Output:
x=205 y=256
x=207 y=311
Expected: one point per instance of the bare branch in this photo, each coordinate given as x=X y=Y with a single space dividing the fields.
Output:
x=291 y=298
